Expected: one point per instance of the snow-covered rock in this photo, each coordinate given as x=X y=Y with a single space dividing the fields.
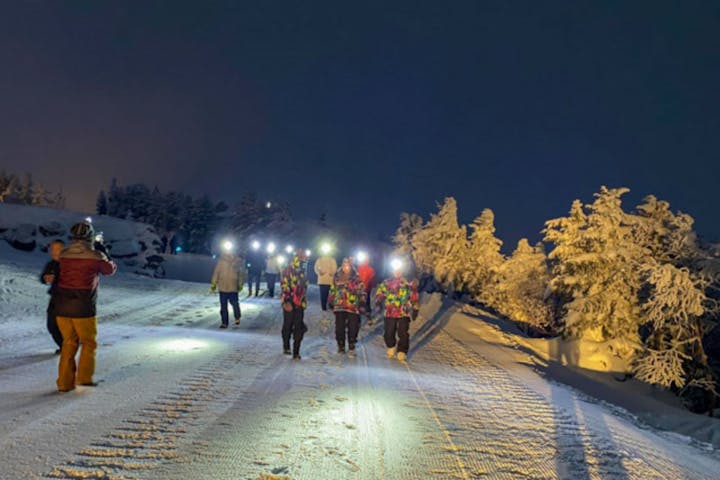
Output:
x=22 y=237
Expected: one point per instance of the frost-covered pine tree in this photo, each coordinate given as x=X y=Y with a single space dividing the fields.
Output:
x=673 y=309
x=101 y=203
x=24 y=190
x=483 y=257
x=596 y=262
x=115 y=200
x=521 y=283
x=410 y=224
x=441 y=245
x=8 y=184
x=669 y=236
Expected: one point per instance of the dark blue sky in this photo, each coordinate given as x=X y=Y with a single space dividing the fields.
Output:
x=365 y=111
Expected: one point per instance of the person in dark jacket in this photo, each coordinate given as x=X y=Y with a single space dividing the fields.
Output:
x=294 y=286
x=75 y=303
x=50 y=276
x=347 y=300
x=255 y=264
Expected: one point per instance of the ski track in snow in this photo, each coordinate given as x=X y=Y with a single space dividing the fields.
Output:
x=180 y=399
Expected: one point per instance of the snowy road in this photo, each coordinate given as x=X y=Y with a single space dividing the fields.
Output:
x=181 y=399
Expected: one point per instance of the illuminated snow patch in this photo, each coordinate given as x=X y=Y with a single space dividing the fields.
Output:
x=182 y=345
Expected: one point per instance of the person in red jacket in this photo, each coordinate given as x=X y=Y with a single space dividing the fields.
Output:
x=75 y=304
x=367 y=275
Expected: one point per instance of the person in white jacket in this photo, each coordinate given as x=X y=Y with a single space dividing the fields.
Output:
x=272 y=270
x=228 y=280
x=325 y=268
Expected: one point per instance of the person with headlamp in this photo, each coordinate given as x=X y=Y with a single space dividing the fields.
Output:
x=399 y=299
x=227 y=279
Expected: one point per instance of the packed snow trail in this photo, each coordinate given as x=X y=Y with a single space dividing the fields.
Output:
x=181 y=399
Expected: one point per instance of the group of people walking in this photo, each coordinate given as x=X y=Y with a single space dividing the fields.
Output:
x=73 y=275
x=346 y=291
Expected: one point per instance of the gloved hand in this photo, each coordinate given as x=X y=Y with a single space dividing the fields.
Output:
x=213 y=287
x=100 y=247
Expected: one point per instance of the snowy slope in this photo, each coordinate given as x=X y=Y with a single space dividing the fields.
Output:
x=181 y=399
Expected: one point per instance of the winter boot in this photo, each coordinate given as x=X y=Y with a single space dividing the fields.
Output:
x=351 y=352
x=341 y=349
x=402 y=356
x=222 y=325
x=287 y=351
x=297 y=356
x=237 y=321
x=391 y=352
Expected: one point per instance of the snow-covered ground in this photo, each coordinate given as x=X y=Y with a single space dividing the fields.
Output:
x=181 y=399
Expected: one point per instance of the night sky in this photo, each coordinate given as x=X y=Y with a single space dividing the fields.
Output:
x=365 y=111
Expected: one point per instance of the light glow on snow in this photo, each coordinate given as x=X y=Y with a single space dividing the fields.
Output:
x=182 y=345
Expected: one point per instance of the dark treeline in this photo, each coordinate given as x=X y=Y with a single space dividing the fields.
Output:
x=193 y=222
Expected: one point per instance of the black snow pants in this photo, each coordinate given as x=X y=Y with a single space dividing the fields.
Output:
x=254 y=277
x=270 y=280
x=232 y=298
x=399 y=327
x=324 y=292
x=293 y=325
x=52 y=325
x=350 y=322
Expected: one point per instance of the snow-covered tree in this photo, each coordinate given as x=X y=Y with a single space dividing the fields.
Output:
x=673 y=310
x=521 y=282
x=101 y=207
x=7 y=185
x=410 y=224
x=669 y=236
x=441 y=246
x=483 y=257
x=596 y=262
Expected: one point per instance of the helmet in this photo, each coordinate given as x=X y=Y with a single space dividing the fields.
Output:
x=82 y=231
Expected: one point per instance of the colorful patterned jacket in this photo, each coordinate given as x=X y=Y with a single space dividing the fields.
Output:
x=398 y=296
x=294 y=283
x=348 y=297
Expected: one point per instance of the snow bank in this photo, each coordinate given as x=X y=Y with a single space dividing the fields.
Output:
x=587 y=366
x=29 y=229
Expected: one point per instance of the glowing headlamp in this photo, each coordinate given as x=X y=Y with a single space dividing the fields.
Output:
x=396 y=264
x=255 y=245
x=271 y=248
x=289 y=249
x=361 y=256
